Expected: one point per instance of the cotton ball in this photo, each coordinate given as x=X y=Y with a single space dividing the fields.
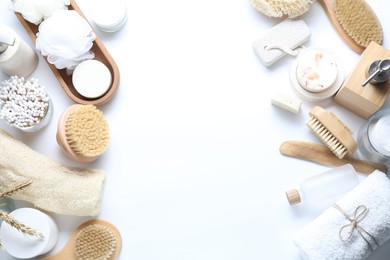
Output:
x=66 y=39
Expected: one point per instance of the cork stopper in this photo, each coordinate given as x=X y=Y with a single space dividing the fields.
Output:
x=293 y=196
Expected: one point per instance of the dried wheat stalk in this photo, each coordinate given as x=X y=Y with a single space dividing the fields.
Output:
x=12 y=221
x=19 y=225
x=14 y=189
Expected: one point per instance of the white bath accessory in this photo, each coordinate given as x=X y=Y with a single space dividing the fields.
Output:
x=35 y=11
x=284 y=38
x=353 y=227
x=23 y=246
x=16 y=56
x=91 y=79
x=109 y=16
x=316 y=74
x=66 y=39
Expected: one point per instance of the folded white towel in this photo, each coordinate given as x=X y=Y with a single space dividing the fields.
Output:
x=320 y=240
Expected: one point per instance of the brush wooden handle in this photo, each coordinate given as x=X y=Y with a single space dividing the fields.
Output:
x=322 y=155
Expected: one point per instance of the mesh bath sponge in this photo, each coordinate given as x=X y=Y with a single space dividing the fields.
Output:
x=280 y=8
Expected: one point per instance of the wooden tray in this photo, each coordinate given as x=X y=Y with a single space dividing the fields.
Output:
x=65 y=80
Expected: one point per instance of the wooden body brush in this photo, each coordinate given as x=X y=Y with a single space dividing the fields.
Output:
x=94 y=239
x=83 y=132
x=331 y=131
x=355 y=21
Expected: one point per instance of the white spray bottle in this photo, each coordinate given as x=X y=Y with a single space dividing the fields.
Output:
x=16 y=56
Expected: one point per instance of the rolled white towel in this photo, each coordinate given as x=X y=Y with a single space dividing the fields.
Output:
x=369 y=205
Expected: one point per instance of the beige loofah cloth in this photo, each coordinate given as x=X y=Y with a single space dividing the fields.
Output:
x=280 y=8
x=55 y=188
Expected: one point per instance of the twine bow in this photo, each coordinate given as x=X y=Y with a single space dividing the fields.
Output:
x=360 y=213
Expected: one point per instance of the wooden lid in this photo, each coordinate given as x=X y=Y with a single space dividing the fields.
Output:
x=293 y=196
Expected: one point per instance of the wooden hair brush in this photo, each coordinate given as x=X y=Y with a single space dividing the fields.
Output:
x=355 y=21
x=331 y=131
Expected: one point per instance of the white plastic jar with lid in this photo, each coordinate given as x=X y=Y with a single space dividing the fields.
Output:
x=109 y=16
x=328 y=185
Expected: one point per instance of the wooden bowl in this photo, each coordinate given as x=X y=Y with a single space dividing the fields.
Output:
x=101 y=54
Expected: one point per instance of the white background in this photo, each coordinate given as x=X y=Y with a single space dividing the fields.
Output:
x=193 y=168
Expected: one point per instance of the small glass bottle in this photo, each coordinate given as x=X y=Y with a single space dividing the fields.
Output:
x=324 y=186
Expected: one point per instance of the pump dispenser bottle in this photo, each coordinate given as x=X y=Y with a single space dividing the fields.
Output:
x=16 y=56
x=324 y=186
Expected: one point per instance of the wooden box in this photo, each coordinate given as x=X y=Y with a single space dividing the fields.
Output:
x=364 y=101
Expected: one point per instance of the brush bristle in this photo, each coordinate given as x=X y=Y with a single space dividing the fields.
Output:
x=87 y=131
x=327 y=138
x=358 y=21
x=95 y=242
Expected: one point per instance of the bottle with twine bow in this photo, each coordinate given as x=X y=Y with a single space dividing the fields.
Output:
x=12 y=221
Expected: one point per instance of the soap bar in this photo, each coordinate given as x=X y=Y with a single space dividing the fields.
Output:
x=91 y=78
x=286 y=102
